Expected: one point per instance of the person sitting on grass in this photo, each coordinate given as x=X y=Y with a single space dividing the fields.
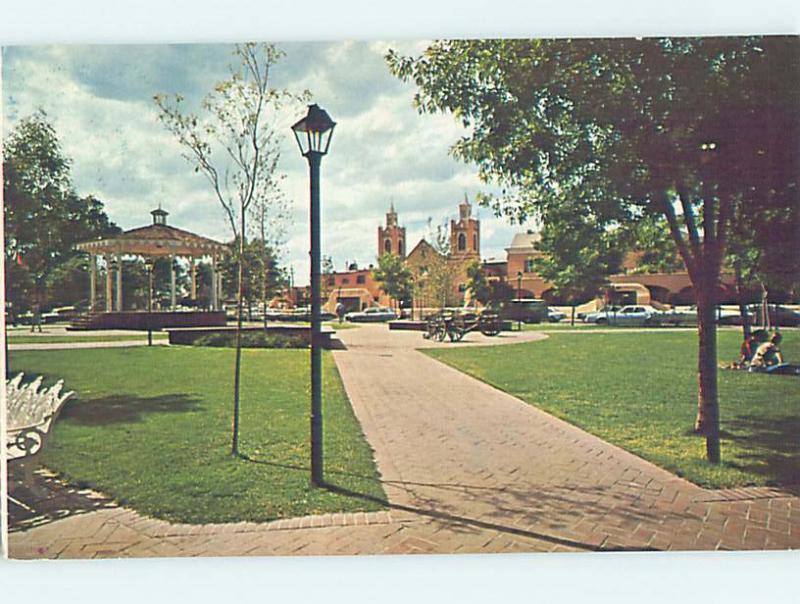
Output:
x=768 y=356
x=748 y=348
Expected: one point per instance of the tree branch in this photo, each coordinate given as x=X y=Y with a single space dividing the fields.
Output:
x=675 y=230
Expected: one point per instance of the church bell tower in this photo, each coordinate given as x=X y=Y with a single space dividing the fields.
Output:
x=392 y=238
x=465 y=233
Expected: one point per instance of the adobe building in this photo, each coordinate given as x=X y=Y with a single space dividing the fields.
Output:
x=629 y=287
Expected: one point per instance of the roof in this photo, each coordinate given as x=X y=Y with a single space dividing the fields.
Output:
x=422 y=246
x=155 y=240
x=525 y=241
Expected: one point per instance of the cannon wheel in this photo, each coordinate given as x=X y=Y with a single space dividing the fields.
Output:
x=490 y=326
x=457 y=329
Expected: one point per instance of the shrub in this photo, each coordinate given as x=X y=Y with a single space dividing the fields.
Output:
x=251 y=339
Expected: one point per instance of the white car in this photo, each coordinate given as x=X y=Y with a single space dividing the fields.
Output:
x=636 y=315
x=371 y=315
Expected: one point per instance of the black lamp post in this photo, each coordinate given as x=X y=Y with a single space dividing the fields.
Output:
x=519 y=300
x=313 y=134
x=148 y=263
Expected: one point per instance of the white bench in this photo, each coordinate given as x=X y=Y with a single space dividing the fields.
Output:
x=31 y=412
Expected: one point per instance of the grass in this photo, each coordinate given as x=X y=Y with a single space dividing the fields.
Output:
x=45 y=339
x=639 y=391
x=152 y=428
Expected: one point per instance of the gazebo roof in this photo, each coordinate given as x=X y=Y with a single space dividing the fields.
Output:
x=157 y=239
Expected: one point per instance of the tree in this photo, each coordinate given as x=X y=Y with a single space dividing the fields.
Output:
x=234 y=145
x=394 y=277
x=477 y=285
x=579 y=254
x=649 y=239
x=269 y=219
x=438 y=279
x=45 y=218
x=687 y=128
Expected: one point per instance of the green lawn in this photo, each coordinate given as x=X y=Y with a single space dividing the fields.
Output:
x=151 y=427
x=45 y=339
x=639 y=391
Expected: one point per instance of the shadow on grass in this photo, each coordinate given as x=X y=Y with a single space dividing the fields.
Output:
x=773 y=445
x=125 y=408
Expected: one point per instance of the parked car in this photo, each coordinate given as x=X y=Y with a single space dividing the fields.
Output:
x=785 y=317
x=527 y=310
x=554 y=315
x=371 y=315
x=635 y=315
x=678 y=316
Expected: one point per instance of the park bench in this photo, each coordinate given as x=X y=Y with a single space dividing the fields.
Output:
x=31 y=412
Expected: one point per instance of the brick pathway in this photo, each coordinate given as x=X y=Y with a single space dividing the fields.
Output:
x=467 y=468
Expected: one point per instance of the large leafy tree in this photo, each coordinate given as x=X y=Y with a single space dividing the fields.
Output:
x=234 y=145
x=579 y=254
x=394 y=276
x=688 y=128
x=45 y=218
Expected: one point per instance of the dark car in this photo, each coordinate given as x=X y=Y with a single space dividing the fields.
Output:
x=527 y=310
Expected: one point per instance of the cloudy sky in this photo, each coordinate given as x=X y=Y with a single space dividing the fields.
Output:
x=100 y=101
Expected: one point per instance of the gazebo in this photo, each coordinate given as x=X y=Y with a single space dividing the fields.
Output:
x=157 y=240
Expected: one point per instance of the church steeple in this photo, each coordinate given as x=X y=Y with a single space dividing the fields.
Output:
x=465 y=234
x=391 y=238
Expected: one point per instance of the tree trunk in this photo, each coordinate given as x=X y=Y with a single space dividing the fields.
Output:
x=238 y=363
x=572 y=318
x=764 y=307
x=742 y=304
x=707 y=423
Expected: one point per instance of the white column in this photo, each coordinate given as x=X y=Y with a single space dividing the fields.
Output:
x=109 y=289
x=194 y=277
x=173 y=297
x=119 y=282
x=213 y=283
x=92 y=282
x=220 y=294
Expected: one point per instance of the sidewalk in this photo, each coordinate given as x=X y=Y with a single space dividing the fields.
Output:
x=466 y=468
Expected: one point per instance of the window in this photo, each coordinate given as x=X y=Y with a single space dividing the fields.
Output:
x=331 y=281
x=345 y=281
x=400 y=247
x=529 y=265
x=387 y=246
x=462 y=242
x=360 y=279
x=475 y=241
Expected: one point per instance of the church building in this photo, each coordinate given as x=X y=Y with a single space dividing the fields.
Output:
x=357 y=288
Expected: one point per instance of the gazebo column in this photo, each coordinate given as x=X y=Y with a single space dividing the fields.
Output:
x=92 y=282
x=119 y=282
x=172 y=294
x=109 y=290
x=194 y=277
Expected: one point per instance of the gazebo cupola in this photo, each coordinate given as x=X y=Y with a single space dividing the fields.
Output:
x=159 y=216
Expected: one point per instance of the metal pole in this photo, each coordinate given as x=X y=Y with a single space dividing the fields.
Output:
x=314 y=161
x=519 y=304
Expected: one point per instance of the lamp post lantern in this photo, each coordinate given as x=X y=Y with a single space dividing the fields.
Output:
x=519 y=300
x=313 y=134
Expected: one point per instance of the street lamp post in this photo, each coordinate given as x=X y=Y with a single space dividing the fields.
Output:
x=519 y=300
x=313 y=134
x=148 y=263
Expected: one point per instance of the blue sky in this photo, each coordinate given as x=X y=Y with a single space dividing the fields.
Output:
x=100 y=101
